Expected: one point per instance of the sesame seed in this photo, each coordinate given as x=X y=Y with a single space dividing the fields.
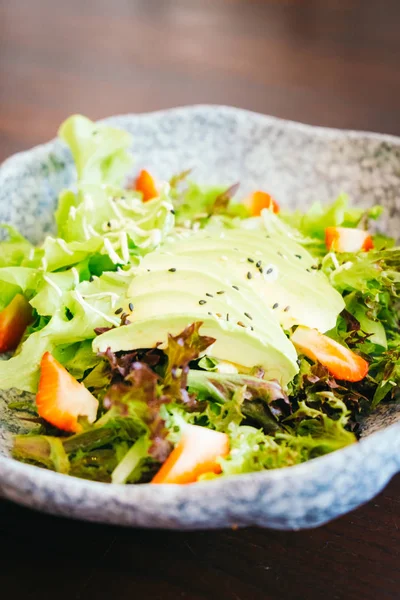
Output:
x=227 y=316
x=286 y=308
x=269 y=271
x=172 y=270
x=118 y=311
x=202 y=302
x=250 y=260
x=130 y=306
x=172 y=211
x=251 y=327
x=258 y=264
x=108 y=224
x=275 y=306
x=123 y=316
x=248 y=316
x=308 y=270
x=210 y=313
x=314 y=267
x=235 y=287
x=298 y=256
x=221 y=292
x=218 y=315
x=261 y=270
x=249 y=275
x=241 y=324
x=209 y=295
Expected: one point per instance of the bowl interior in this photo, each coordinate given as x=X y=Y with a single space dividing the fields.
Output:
x=298 y=164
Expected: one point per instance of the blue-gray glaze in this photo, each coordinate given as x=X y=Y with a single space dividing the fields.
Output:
x=298 y=164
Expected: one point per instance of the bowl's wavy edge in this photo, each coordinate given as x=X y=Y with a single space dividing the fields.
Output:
x=45 y=482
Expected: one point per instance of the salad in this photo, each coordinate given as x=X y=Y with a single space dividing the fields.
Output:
x=170 y=332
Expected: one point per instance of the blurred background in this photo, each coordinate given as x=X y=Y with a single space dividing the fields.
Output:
x=327 y=62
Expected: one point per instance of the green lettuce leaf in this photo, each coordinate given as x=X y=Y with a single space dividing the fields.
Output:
x=318 y=217
x=14 y=250
x=100 y=152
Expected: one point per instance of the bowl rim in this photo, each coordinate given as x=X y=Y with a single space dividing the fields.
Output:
x=45 y=478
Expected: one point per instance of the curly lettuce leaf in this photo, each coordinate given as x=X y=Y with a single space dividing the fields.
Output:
x=90 y=305
x=318 y=217
x=197 y=204
x=100 y=152
x=13 y=250
x=262 y=402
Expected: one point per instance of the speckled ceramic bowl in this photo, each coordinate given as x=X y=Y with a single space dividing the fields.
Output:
x=298 y=164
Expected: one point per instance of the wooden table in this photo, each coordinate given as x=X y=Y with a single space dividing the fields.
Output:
x=328 y=62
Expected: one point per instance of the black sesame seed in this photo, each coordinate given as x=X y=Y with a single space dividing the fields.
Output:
x=119 y=310
x=109 y=224
x=261 y=270
x=275 y=305
x=314 y=267
x=258 y=264
x=202 y=302
x=298 y=256
x=251 y=327
x=235 y=287
x=172 y=211
x=209 y=295
x=123 y=316
x=248 y=316
x=130 y=306
x=221 y=292
x=250 y=260
x=210 y=313
x=286 y=308
x=227 y=316
x=172 y=270
x=269 y=271
x=249 y=275
x=308 y=270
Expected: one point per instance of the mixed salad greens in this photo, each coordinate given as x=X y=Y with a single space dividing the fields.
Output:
x=174 y=333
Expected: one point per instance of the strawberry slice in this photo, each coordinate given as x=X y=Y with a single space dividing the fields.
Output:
x=196 y=454
x=14 y=319
x=61 y=400
x=146 y=185
x=341 y=362
x=257 y=201
x=347 y=239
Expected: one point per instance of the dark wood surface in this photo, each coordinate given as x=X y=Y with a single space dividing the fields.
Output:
x=327 y=62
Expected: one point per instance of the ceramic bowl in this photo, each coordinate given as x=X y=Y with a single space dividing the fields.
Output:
x=298 y=164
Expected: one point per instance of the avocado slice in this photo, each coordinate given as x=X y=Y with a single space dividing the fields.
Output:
x=246 y=287
x=233 y=343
